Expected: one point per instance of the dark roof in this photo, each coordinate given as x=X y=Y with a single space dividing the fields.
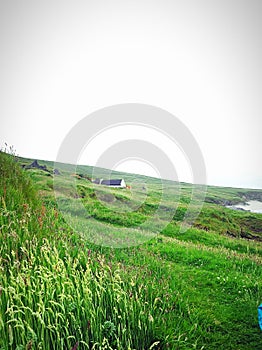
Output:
x=116 y=182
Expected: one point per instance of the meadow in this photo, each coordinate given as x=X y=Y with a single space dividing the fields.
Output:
x=84 y=266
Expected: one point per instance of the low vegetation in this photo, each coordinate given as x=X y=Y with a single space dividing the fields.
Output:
x=198 y=289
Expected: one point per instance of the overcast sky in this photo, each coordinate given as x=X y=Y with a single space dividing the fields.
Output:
x=197 y=59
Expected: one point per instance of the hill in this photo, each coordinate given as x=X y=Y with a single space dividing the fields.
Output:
x=178 y=289
x=214 y=216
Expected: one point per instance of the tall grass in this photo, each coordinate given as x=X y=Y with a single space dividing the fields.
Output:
x=193 y=290
x=54 y=302
x=55 y=295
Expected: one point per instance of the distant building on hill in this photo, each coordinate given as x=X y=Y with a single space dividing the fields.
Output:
x=112 y=182
x=35 y=165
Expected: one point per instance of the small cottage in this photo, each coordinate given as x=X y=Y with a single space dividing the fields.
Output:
x=112 y=182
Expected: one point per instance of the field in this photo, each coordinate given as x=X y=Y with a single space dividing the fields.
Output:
x=85 y=266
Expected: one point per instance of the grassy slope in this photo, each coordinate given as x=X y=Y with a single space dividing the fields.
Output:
x=194 y=290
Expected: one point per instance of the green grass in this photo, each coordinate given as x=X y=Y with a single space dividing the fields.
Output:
x=198 y=289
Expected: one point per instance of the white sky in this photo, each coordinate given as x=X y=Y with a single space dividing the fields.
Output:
x=198 y=59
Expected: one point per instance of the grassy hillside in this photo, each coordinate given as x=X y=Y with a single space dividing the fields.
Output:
x=198 y=289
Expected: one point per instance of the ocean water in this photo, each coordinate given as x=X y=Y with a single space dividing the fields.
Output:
x=253 y=206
